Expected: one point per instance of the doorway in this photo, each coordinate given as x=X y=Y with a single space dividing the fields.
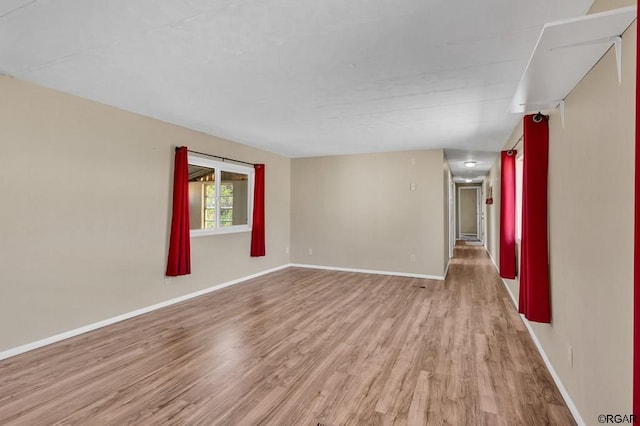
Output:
x=470 y=213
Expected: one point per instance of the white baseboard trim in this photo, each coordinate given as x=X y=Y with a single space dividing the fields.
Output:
x=563 y=391
x=446 y=270
x=96 y=325
x=513 y=298
x=368 y=271
x=493 y=260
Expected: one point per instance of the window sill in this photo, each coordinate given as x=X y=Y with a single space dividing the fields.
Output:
x=229 y=230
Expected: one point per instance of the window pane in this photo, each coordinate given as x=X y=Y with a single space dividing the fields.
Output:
x=226 y=189
x=519 y=168
x=202 y=201
x=234 y=199
x=226 y=202
x=226 y=215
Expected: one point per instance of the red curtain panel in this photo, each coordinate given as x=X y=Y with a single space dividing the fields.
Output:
x=179 y=261
x=508 y=215
x=257 y=231
x=535 y=302
x=636 y=264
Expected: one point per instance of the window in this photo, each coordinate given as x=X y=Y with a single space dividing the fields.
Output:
x=519 y=168
x=220 y=196
x=209 y=217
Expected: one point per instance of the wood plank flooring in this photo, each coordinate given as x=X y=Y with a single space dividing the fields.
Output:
x=301 y=347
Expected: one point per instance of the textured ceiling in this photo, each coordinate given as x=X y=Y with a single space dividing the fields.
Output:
x=295 y=77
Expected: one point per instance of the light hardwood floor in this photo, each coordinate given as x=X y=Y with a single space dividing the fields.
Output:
x=301 y=347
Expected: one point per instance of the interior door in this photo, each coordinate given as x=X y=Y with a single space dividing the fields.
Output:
x=469 y=212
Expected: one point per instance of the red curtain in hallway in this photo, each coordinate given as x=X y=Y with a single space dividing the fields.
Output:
x=636 y=264
x=179 y=260
x=508 y=215
x=535 y=301
x=257 y=229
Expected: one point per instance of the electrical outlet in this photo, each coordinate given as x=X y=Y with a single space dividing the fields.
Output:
x=167 y=280
x=412 y=258
x=310 y=251
x=286 y=250
x=413 y=161
x=570 y=355
x=412 y=186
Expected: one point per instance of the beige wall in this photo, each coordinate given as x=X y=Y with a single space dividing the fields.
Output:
x=358 y=211
x=86 y=211
x=591 y=172
x=603 y=5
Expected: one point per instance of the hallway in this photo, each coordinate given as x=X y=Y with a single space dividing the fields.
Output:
x=301 y=347
x=512 y=379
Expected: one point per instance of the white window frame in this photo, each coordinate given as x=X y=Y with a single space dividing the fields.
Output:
x=220 y=167
x=519 y=185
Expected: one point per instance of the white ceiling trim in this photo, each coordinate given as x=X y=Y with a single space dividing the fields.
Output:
x=565 y=52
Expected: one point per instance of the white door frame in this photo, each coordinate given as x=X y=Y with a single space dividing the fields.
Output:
x=481 y=214
x=478 y=210
x=452 y=216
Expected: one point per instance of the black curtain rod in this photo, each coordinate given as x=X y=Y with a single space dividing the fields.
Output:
x=217 y=156
x=536 y=118
x=516 y=144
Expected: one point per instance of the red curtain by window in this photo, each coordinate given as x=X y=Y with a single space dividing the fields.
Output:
x=257 y=230
x=535 y=302
x=508 y=215
x=179 y=260
x=636 y=263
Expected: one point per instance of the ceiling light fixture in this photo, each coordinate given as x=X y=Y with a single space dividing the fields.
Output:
x=468 y=180
x=470 y=163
